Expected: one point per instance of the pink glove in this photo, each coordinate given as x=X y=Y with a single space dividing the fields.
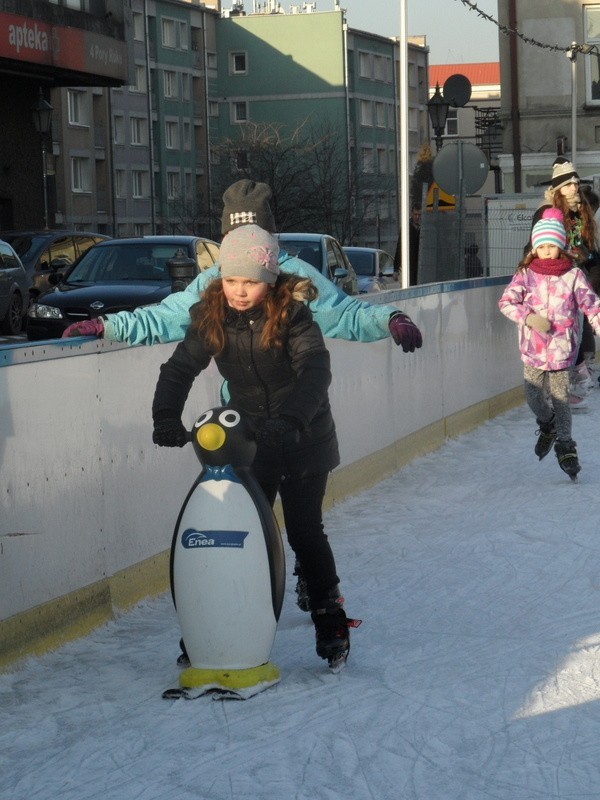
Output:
x=87 y=327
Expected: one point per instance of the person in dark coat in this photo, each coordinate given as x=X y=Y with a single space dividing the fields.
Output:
x=254 y=324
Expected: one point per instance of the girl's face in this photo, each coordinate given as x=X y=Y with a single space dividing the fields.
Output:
x=569 y=190
x=545 y=251
x=242 y=293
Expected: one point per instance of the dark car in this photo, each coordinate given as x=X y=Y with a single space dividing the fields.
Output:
x=323 y=252
x=116 y=275
x=44 y=252
x=14 y=290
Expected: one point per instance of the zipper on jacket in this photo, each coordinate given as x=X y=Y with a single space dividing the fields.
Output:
x=256 y=372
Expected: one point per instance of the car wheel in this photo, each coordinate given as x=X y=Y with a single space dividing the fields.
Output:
x=13 y=321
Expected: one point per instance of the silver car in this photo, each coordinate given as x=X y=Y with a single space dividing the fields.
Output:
x=374 y=268
x=323 y=252
x=14 y=290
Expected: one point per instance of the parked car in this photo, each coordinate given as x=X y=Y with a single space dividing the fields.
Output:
x=323 y=252
x=44 y=252
x=14 y=290
x=374 y=268
x=115 y=275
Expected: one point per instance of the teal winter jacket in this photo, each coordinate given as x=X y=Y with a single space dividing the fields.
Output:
x=339 y=315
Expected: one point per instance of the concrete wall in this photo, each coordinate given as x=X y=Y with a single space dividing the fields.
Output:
x=89 y=503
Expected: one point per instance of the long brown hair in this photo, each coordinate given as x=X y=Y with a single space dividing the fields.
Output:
x=208 y=316
x=582 y=212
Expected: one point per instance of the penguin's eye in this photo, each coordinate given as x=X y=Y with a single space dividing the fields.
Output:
x=204 y=418
x=229 y=419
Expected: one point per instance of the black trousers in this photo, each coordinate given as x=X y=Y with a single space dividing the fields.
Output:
x=302 y=503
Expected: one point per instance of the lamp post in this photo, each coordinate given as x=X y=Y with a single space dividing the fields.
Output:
x=437 y=108
x=42 y=119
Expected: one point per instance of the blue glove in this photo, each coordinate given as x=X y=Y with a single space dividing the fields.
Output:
x=404 y=332
x=169 y=433
x=272 y=432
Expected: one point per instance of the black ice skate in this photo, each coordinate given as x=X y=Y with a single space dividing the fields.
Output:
x=566 y=453
x=331 y=629
x=546 y=437
x=302 y=598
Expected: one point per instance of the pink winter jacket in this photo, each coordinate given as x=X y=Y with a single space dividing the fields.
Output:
x=559 y=298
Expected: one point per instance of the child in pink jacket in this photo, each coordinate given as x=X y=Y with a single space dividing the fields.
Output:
x=544 y=298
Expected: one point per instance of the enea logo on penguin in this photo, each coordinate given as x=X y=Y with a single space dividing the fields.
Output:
x=192 y=538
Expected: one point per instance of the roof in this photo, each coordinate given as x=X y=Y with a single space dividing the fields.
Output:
x=485 y=73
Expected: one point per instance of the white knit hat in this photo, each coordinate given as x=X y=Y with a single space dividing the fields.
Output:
x=249 y=252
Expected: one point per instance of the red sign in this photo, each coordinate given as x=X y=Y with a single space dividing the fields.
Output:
x=24 y=39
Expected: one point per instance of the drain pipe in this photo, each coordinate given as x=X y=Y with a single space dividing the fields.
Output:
x=514 y=95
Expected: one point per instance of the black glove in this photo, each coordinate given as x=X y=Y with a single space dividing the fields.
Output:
x=169 y=433
x=272 y=432
x=404 y=332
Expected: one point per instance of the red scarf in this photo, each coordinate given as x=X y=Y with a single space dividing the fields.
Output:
x=551 y=266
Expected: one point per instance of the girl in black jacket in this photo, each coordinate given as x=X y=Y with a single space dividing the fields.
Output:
x=254 y=323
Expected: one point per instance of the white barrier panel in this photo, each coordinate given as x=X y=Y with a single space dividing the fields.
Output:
x=90 y=493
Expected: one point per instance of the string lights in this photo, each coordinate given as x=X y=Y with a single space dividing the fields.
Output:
x=570 y=50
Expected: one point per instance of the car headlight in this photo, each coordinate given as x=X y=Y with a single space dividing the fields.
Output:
x=40 y=311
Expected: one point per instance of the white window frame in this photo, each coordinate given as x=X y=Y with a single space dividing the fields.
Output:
x=366 y=113
x=213 y=108
x=380 y=114
x=118 y=129
x=168 y=32
x=139 y=29
x=172 y=141
x=366 y=160
x=238 y=62
x=78 y=108
x=591 y=25
x=173 y=184
x=186 y=135
x=139 y=86
x=170 y=84
x=185 y=86
x=365 y=64
x=81 y=175
x=120 y=183
x=138 y=131
x=182 y=34
x=238 y=106
x=140 y=184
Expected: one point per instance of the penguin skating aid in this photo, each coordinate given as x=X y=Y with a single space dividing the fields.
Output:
x=227 y=567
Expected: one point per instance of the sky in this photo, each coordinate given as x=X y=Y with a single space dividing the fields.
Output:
x=455 y=33
x=475 y=672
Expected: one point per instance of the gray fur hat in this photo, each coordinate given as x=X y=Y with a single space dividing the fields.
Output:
x=247 y=203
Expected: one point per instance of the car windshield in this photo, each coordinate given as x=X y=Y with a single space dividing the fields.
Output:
x=124 y=262
x=363 y=263
x=26 y=247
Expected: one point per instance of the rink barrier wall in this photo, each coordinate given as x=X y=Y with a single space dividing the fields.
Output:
x=90 y=502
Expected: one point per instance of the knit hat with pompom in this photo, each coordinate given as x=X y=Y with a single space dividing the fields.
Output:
x=550 y=229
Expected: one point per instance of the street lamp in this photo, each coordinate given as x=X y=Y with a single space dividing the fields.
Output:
x=42 y=119
x=438 y=107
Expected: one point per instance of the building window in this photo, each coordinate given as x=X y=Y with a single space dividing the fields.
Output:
x=138 y=27
x=118 y=129
x=380 y=115
x=452 y=122
x=213 y=108
x=170 y=84
x=167 y=27
x=367 y=159
x=185 y=86
x=187 y=182
x=592 y=62
x=364 y=65
x=211 y=60
x=183 y=35
x=140 y=184
x=173 y=185
x=80 y=174
x=240 y=111
x=366 y=113
x=241 y=160
x=172 y=134
x=78 y=108
x=120 y=183
x=140 y=79
x=237 y=64
x=379 y=68
x=382 y=166
x=187 y=135
x=139 y=130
